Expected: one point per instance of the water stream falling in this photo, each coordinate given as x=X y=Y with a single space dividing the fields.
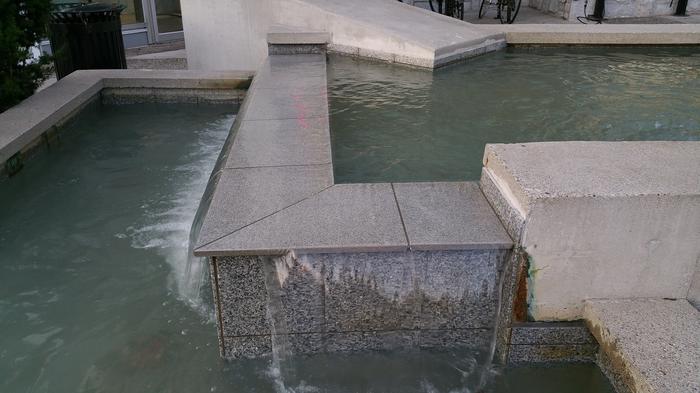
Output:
x=276 y=269
x=488 y=370
x=173 y=227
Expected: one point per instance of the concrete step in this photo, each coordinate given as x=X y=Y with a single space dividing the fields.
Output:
x=647 y=345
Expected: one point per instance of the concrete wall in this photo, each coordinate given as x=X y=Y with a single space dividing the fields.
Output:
x=226 y=34
x=609 y=248
x=347 y=35
x=230 y=34
x=599 y=220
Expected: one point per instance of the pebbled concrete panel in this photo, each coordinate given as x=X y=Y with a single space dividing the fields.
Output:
x=349 y=302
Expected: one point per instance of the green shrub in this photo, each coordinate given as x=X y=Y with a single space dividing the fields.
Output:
x=22 y=24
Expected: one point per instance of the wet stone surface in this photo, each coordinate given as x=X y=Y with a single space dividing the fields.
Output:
x=552 y=353
x=359 y=301
x=450 y=338
x=295 y=295
x=458 y=288
x=247 y=347
x=551 y=333
x=242 y=296
x=367 y=292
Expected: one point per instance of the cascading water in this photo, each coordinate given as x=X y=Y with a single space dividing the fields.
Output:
x=488 y=370
x=276 y=270
x=174 y=225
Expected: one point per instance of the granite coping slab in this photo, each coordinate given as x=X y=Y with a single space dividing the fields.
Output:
x=23 y=123
x=344 y=217
x=245 y=196
x=441 y=215
x=286 y=142
x=281 y=104
x=652 y=345
x=290 y=35
x=276 y=190
x=300 y=71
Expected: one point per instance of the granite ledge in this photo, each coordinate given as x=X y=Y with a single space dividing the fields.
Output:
x=378 y=217
x=341 y=218
x=326 y=217
x=290 y=35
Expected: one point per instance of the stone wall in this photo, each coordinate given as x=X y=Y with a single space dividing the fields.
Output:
x=351 y=302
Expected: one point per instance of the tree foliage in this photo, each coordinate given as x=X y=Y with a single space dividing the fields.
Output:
x=22 y=24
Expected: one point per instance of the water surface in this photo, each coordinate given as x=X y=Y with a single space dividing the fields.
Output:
x=94 y=237
x=94 y=287
x=394 y=123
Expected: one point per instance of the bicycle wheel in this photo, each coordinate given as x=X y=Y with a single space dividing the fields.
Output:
x=452 y=8
x=439 y=6
x=482 y=9
x=509 y=10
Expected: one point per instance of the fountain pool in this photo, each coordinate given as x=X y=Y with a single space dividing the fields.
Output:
x=97 y=292
x=394 y=123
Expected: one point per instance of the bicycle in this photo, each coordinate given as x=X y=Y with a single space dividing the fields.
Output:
x=507 y=9
x=453 y=8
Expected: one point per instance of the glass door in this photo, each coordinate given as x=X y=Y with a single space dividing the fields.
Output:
x=132 y=16
x=166 y=20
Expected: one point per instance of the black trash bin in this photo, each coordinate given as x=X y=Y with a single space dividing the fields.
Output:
x=86 y=36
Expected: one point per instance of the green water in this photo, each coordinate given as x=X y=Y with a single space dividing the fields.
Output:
x=393 y=123
x=96 y=289
x=94 y=237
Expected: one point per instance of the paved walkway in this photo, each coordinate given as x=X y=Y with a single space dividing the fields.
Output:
x=648 y=345
x=529 y=15
x=664 y=19
x=166 y=60
x=167 y=56
x=526 y=15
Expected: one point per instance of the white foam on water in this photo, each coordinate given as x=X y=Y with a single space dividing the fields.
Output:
x=168 y=225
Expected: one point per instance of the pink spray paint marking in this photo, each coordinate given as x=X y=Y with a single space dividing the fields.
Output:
x=301 y=111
